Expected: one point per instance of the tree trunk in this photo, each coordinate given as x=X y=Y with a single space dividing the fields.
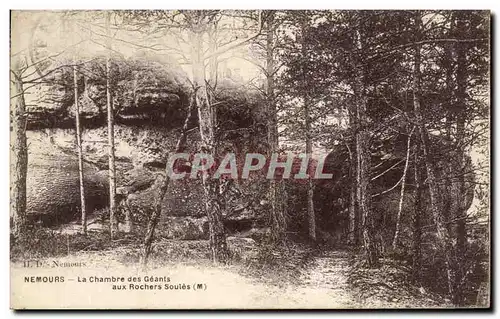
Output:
x=417 y=217
x=364 y=197
x=310 y=187
x=363 y=156
x=401 y=197
x=19 y=158
x=278 y=226
x=448 y=202
x=354 y=218
x=212 y=72
x=164 y=182
x=213 y=60
x=460 y=193
x=311 y=217
x=353 y=215
x=113 y=225
x=436 y=208
x=218 y=244
x=80 y=152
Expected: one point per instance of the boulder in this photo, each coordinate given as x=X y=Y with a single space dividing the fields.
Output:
x=182 y=199
x=184 y=228
x=53 y=191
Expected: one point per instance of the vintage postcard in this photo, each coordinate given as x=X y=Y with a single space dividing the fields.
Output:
x=250 y=159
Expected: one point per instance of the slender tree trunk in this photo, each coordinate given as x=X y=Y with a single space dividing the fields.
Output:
x=19 y=158
x=401 y=197
x=364 y=197
x=310 y=187
x=113 y=225
x=448 y=202
x=417 y=217
x=436 y=208
x=272 y=135
x=276 y=189
x=354 y=218
x=460 y=195
x=218 y=244
x=212 y=73
x=80 y=151
x=353 y=212
x=164 y=182
x=363 y=156
x=212 y=62
x=311 y=216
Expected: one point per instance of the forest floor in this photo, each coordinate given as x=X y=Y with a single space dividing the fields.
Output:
x=299 y=277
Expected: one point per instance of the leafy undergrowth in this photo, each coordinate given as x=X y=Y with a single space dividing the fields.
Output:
x=46 y=243
x=263 y=261
x=277 y=264
x=390 y=285
x=332 y=275
x=260 y=260
x=166 y=252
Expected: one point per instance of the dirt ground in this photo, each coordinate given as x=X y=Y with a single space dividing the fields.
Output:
x=322 y=283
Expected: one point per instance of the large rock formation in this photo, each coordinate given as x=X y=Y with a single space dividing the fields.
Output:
x=150 y=95
x=53 y=193
x=53 y=182
x=144 y=92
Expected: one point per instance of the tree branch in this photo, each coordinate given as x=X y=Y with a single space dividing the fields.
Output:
x=408 y=45
x=236 y=44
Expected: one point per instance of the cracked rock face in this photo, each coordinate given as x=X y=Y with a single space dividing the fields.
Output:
x=53 y=189
x=143 y=92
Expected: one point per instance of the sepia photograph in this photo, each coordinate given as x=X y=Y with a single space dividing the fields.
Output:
x=250 y=159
